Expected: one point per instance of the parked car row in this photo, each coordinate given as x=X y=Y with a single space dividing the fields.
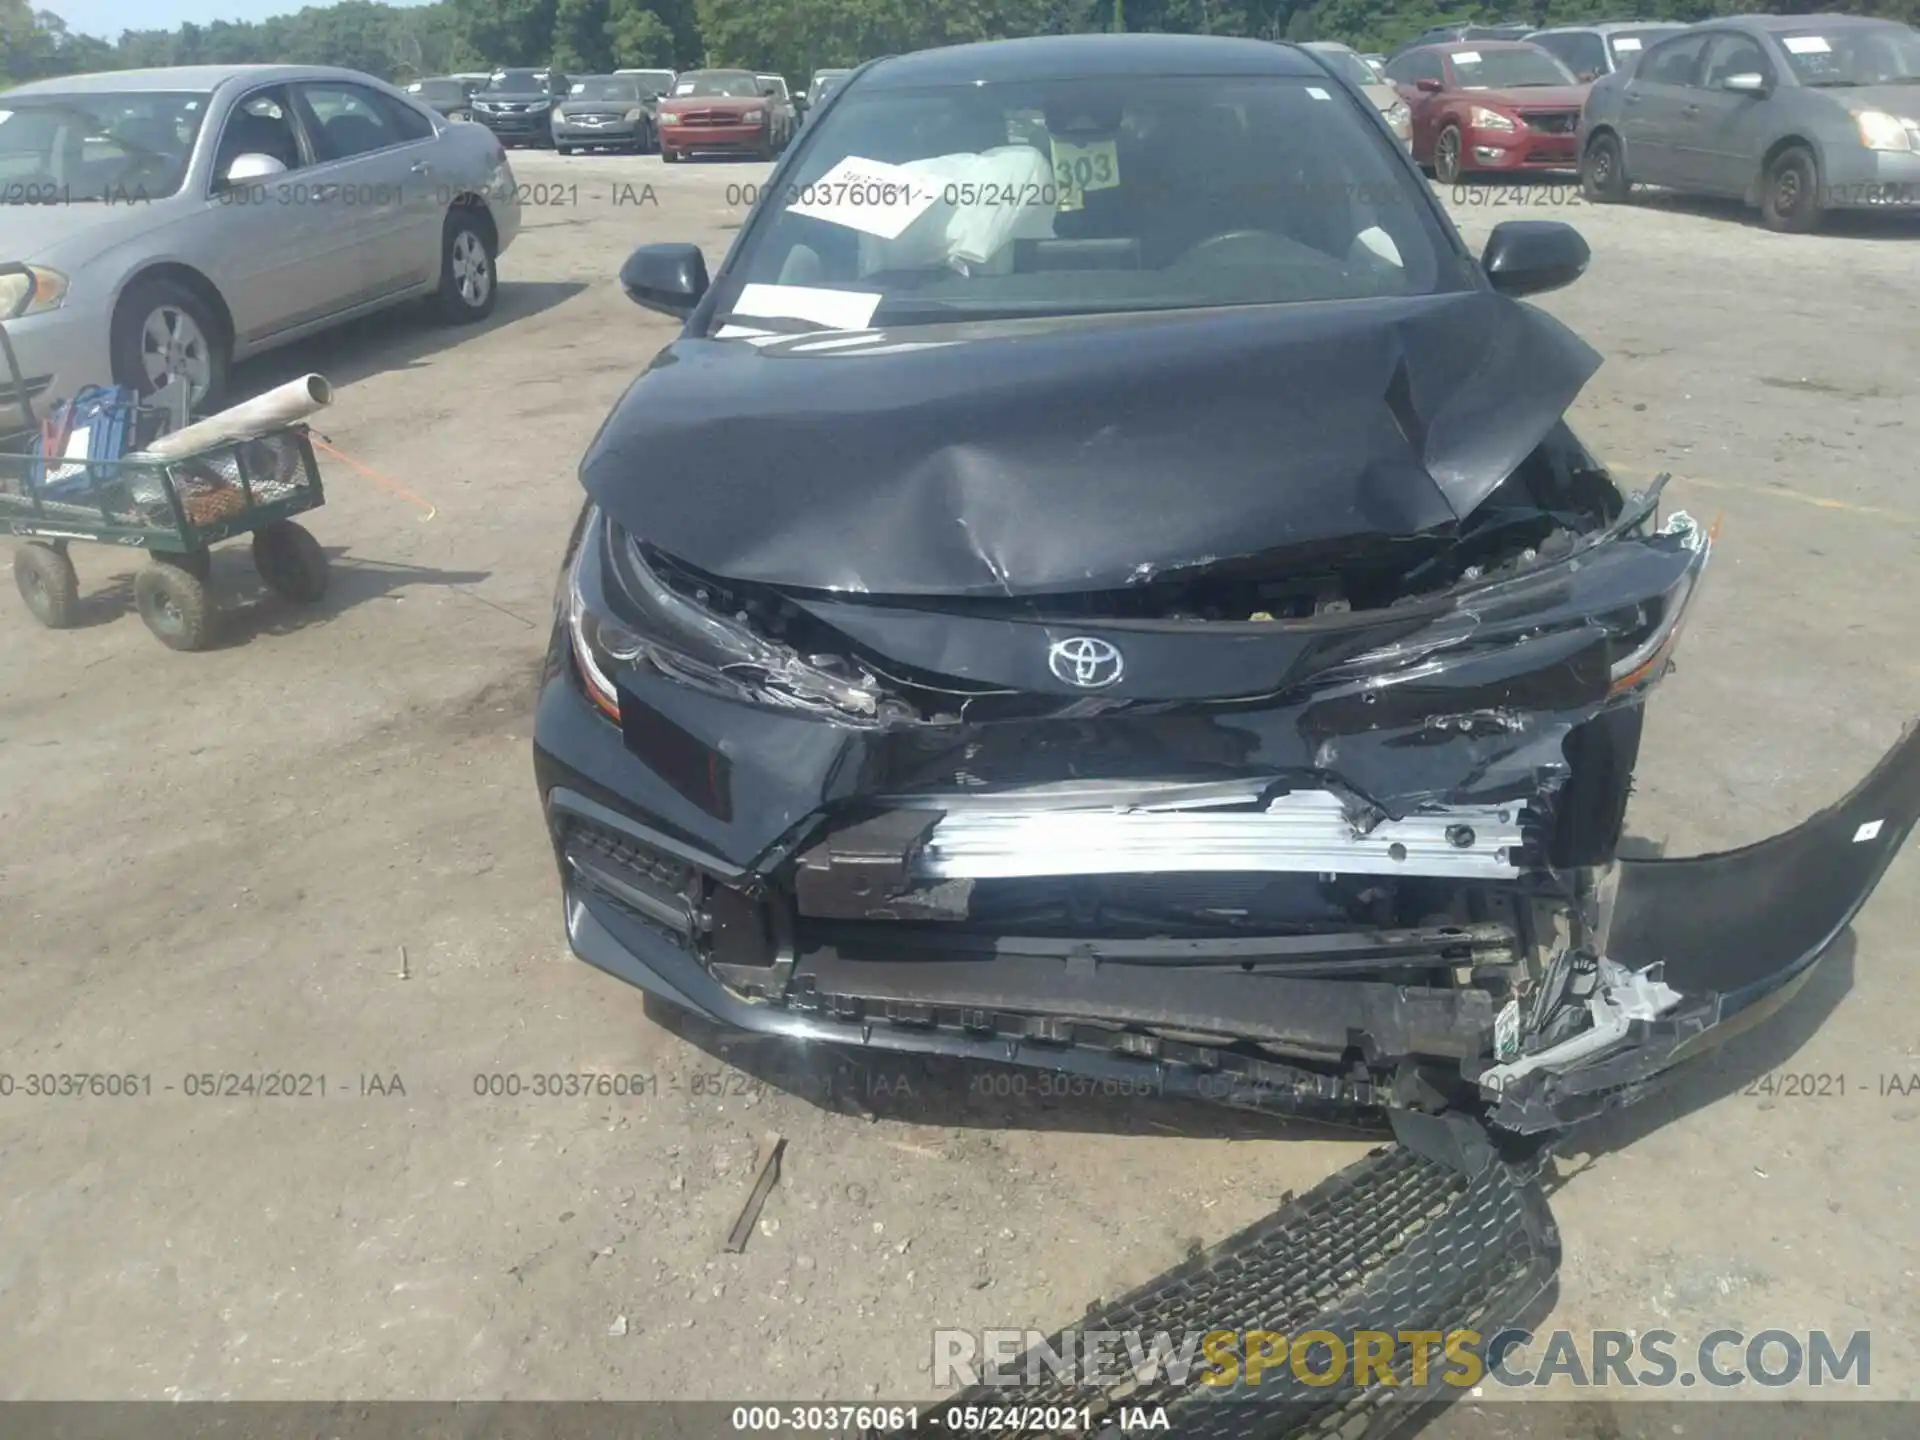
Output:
x=1796 y=115
x=708 y=111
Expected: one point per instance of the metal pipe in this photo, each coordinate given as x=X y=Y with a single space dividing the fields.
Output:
x=281 y=406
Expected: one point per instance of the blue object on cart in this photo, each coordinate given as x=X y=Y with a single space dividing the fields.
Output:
x=96 y=425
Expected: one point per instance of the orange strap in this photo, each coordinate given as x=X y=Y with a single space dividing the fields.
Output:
x=320 y=442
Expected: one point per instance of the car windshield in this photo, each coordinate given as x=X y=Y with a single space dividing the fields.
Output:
x=1513 y=69
x=1854 y=55
x=516 y=82
x=1085 y=196
x=100 y=146
x=652 y=83
x=1351 y=66
x=438 y=91
x=605 y=87
x=1626 y=45
x=699 y=86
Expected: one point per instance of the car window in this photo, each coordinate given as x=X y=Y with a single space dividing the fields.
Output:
x=1120 y=194
x=1671 y=63
x=96 y=146
x=715 y=86
x=516 y=82
x=1350 y=66
x=1842 y=57
x=1521 y=66
x=407 y=122
x=604 y=87
x=1729 y=54
x=1581 y=51
x=1628 y=45
x=348 y=120
x=261 y=124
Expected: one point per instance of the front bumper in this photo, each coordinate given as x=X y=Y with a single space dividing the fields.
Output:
x=615 y=132
x=59 y=353
x=1730 y=961
x=1856 y=178
x=1509 y=150
x=695 y=139
x=528 y=125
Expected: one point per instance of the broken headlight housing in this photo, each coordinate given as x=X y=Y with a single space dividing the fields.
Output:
x=622 y=614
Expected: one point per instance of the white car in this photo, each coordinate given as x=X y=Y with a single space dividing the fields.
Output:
x=176 y=220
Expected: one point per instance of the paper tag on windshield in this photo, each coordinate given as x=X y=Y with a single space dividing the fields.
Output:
x=870 y=196
x=1466 y=57
x=1627 y=42
x=1080 y=168
x=842 y=309
x=1806 y=44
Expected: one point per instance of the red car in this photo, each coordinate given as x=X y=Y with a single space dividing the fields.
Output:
x=723 y=111
x=1489 y=106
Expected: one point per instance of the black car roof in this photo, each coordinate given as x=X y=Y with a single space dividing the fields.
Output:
x=1050 y=57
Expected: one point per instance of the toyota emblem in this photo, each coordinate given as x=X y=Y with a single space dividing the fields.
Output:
x=1085 y=661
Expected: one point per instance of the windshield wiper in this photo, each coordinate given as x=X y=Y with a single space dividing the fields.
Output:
x=774 y=324
x=1833 y=84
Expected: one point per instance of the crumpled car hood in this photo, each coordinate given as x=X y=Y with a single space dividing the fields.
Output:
x=1028 y=457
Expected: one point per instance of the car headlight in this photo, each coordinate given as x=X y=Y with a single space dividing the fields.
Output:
x=1398 y=115
x=755 y=116
x=621 y=615
x=1881 y=131
x=1482 y=118
x=30 y=293
x=633 y=115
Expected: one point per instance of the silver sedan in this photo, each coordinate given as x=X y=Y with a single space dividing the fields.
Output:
x=176 y=220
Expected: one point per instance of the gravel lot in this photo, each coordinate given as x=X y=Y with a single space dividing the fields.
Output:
x=317 y=851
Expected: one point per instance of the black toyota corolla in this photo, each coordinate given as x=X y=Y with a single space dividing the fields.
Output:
x=1103 y=581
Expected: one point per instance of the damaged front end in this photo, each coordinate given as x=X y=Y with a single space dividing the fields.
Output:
x=1319 y=856
x=1063 y=697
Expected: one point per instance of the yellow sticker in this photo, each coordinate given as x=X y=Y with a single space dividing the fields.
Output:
x=1080 y=168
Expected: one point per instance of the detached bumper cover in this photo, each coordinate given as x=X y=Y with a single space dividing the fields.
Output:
x=1734 y=934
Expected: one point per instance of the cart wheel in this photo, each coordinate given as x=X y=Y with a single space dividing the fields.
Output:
x=290 y=561
x=47 y=583
x=174 y=604
x=198 y=563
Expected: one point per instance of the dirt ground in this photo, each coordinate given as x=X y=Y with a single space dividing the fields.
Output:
x=317 y=851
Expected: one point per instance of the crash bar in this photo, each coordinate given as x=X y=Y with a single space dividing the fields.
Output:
x=1305 y=831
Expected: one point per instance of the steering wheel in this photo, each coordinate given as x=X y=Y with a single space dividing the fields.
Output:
x=1217 y=247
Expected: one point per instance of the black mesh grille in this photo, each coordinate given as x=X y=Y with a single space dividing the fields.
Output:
x=1395 y=1243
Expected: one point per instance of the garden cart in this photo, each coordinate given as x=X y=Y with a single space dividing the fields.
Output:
x=79 y=475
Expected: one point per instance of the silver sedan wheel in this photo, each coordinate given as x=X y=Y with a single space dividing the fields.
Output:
x=472 y=269
x=172 y=344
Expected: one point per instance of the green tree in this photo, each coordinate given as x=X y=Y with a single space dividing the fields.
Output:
x=638 y=37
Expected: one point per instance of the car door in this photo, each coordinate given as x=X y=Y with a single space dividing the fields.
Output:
x=1407 y=71
x=275 y=250
x=1651 y=106
x=374 y=163
x=1722 y=133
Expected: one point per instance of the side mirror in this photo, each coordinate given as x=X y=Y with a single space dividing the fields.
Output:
x=667 y=278
x=244 y=169
x=1746 y=83
x=1526 y=257
x=1429 y=86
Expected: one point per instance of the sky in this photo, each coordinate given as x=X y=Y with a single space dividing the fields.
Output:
x=107 y=18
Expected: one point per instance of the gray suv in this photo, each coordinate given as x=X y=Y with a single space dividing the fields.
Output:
x=1799 y=115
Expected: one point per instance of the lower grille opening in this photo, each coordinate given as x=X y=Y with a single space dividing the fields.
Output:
x=648 y=884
